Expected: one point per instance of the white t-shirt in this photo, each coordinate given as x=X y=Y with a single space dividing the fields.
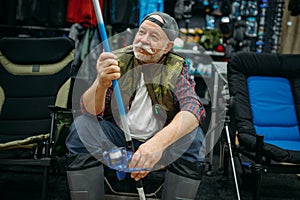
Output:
x=141 y=120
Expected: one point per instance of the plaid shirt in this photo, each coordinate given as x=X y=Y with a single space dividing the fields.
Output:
x=185 y=94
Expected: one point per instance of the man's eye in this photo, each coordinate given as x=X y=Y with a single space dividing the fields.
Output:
x=154 y=37
x=141 y=32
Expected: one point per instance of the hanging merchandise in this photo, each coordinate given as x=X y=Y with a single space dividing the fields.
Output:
x=207 y=6
x=225 y=8
x=225 y=21
x=261 y=26
x=251 y=27
x=277 y=21
x=216 y=8
x=33 y=18
x=211 y=38
x=187 y=6
x=39 y=13
x=244 y=8
x=121 y=15
x=240 y=28
x=251 y=21
x=235 y=11
x=210 y=22
x=193 y=35
x=169 y=7
x=149 y=6
x=248 y=8
x=187 y=15
x=241 y=39
x=226 y=27
x=82 y=12
x=179 y=9
x=252 y=7
x=86 y=53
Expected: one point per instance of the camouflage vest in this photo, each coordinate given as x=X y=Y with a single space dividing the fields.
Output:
x=160 y=80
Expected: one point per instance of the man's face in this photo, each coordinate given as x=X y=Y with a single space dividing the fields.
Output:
x=151 y=42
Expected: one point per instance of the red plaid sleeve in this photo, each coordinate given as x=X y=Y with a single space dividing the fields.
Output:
x=187 y=96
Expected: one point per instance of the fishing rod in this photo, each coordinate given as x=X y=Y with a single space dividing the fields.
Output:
x=129 y=143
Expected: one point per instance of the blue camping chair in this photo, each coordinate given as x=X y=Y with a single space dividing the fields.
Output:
x=265 y=93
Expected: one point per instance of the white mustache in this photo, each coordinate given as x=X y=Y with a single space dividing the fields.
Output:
x=144 y=47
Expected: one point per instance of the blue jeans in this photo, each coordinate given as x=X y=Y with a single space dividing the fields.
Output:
x=88 y=135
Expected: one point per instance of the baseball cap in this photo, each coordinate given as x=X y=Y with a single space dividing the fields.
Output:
x=169 y=25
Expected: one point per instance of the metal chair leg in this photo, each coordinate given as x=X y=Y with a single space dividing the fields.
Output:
x=45 y=183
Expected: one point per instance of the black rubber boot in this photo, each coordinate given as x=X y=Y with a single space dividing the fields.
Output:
x=85 y=177
x=86 y=184
x=179 y=187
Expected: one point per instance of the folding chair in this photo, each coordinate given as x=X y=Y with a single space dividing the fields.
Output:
x=35 y=78
x=265 y=92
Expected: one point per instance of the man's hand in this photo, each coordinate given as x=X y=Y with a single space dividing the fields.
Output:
x=149 y=153
x=146 y=156
x=108 y=69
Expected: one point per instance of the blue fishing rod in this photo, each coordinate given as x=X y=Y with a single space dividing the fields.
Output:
x=129 y=143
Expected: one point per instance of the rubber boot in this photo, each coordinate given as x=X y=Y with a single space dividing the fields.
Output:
x=179 y=187
x=86 y=184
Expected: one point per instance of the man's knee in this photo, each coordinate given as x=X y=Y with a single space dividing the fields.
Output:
x=73 y=142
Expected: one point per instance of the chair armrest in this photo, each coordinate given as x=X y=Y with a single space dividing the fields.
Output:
x=259 y=146
x=55 y=108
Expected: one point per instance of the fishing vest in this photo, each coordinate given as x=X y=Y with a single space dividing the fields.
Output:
x=160 y=80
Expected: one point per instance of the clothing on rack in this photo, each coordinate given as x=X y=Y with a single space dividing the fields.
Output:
x=82 y=12
x=86 y=53
x=121 y=15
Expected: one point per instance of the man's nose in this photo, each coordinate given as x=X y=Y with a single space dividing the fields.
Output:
x=145 y=39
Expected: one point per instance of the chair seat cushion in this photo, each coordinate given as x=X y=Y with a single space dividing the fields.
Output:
x=285 y=144
x=274 y=116
x=273 y=108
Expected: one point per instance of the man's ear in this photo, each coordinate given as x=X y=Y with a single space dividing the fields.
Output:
x=169 y=47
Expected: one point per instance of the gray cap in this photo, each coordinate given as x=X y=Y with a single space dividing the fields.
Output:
x=169 y=26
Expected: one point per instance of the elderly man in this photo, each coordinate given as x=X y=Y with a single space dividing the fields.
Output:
x=163 y=113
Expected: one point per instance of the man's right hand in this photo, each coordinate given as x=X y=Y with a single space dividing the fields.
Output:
x=108 y=69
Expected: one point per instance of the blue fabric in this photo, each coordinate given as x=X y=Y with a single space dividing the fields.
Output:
x=285 y=144
x=149 y=6
x=273 y=111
